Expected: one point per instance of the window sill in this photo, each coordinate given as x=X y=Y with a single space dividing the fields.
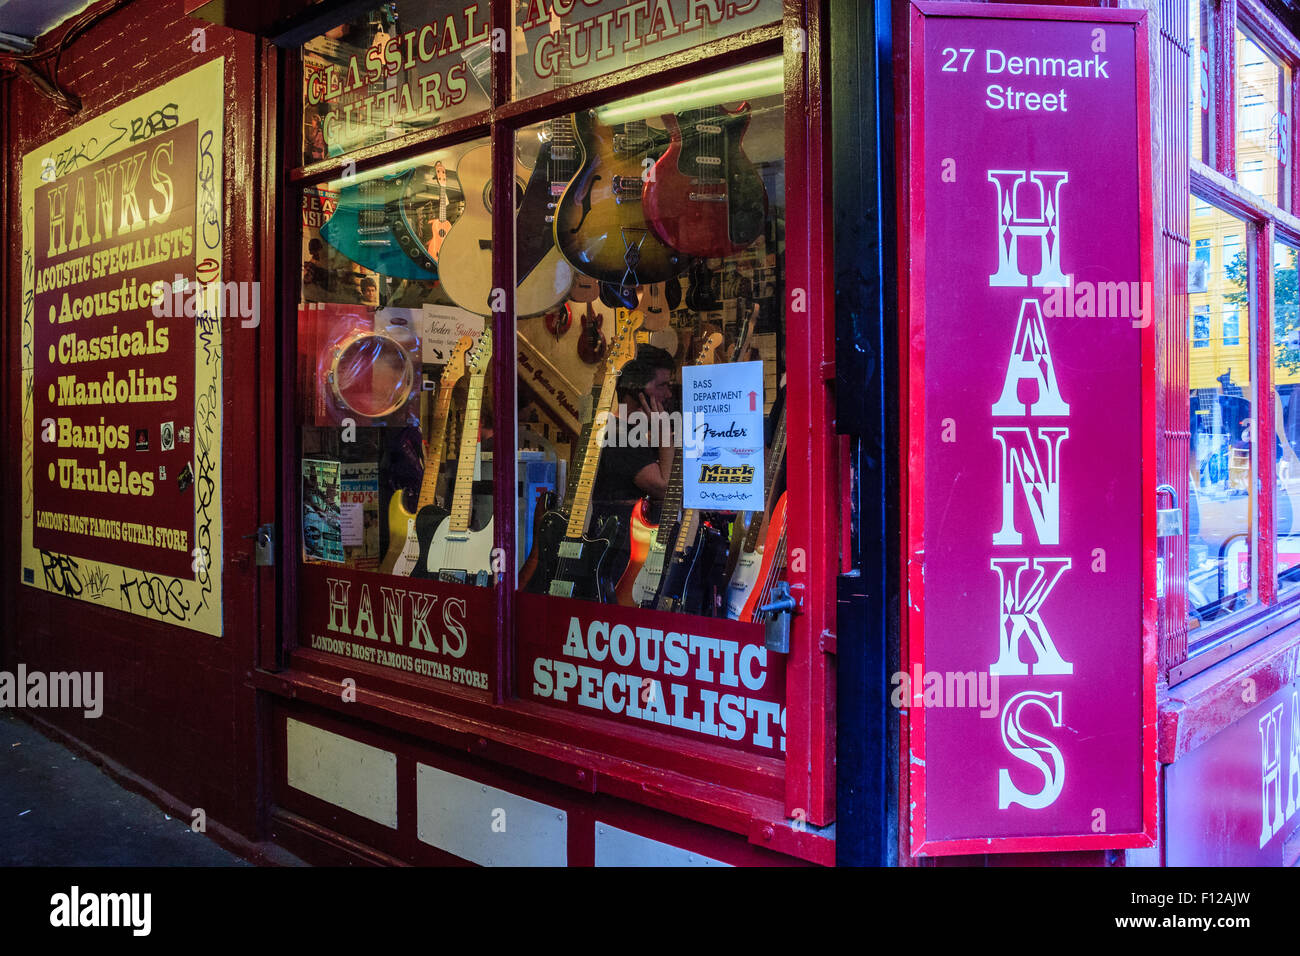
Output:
x=1196 y=709
x=486 y=731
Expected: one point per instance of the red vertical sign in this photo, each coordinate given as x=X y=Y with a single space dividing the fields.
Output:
x=1030 y=608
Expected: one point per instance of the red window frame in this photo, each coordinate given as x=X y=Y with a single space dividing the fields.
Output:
x=1216 y=183
x=701 y=781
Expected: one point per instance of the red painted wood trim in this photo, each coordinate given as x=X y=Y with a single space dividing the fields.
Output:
x=1224 y=63
x=1265 y=530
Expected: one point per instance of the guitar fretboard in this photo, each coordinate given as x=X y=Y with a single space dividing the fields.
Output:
x=462 y=507
x=433 y=457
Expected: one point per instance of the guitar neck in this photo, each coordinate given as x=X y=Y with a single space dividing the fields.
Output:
x=462 y=508
x=775 y=455
x=672 y=503
x=433 y=456
x=581 y=507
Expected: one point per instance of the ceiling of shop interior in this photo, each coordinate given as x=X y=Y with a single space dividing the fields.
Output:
x=31 y=18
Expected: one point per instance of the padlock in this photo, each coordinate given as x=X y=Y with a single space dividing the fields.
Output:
x=1169 y=521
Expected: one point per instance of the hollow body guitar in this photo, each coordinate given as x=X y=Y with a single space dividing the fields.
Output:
x=706 y=198
x=456 y=553
x=371 y=227
x=640 y=582
x=600 y=224
x=410 y=534
x=571 y=562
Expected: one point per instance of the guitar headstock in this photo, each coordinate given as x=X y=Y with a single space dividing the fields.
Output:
x=481 y=354
x=709 y=350
x=622 y=348
x=455 y=369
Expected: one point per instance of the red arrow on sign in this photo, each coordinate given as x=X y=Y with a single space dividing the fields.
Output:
x=753 y=398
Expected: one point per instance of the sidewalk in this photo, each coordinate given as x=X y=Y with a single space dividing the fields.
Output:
x=60 y=810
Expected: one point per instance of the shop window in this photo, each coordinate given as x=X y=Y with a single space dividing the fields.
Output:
x=1221 y=456
x=1231 y=327
x=645 y=403
x=392 y=69
x=1261 y=118
x=660 y=304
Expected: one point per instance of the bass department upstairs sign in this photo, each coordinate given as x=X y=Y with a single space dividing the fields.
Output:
x=121 y=395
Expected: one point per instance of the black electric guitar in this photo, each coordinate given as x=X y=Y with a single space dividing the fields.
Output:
x=571 y=562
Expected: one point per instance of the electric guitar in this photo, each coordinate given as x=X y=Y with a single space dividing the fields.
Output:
x=706 y=198
x=571 y=563
x=645 y=568
x=409 y=534
x=754 y=559
x=456 y=553
x=371 y=227
x=600 y=226
x=770 y=570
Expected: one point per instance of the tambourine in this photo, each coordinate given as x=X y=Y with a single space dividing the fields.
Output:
x=371 y=373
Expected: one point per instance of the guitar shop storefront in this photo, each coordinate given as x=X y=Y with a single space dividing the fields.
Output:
x=557 y=295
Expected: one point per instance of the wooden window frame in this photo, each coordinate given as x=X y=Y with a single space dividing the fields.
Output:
x=705 y=782
x=1216 y=183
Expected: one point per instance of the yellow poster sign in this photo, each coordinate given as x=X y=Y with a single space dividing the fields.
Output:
x=123 y=299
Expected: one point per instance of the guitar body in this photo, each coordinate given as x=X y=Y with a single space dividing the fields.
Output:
x=771 y=553
x=692 y=580
x=440 y=229
x=460 y=556
x=535 y=237
x=585 y=288
x=545 y=503
x=403 y=544
x=591 y=343
x=575 y=567
x=742 y=583
x=705 y=292
x=370 y=227
x=706 y=198
x=600 y=225
x=545 y=287
x=558 y=320
x=617 y=296
x=649 y=575
x=641 y=538
x=465 y=259
x=427 y=522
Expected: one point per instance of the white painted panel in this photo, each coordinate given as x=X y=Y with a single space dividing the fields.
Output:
x=485 y=825
x=342 y=771
x=615 y=847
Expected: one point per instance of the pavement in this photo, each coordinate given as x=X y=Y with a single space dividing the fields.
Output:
x=57 y=809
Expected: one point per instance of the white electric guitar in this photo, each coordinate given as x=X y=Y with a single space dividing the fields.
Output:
x=750 y=563
x=457 y=553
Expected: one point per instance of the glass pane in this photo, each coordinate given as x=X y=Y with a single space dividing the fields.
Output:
x=395 y=68
x=1262 y=137
x=1199 y=82
x=568 y=41
x=1286 y=412
x=663 y=255
x=1222 y=464
x=396 y=416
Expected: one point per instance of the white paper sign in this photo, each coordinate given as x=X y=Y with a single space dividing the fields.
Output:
x=722 y=418
x=444 y=326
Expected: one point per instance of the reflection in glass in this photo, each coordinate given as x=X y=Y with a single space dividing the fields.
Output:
x=394 y=363
x=651 y=239
x=1262 y=130
x=1221 y=458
